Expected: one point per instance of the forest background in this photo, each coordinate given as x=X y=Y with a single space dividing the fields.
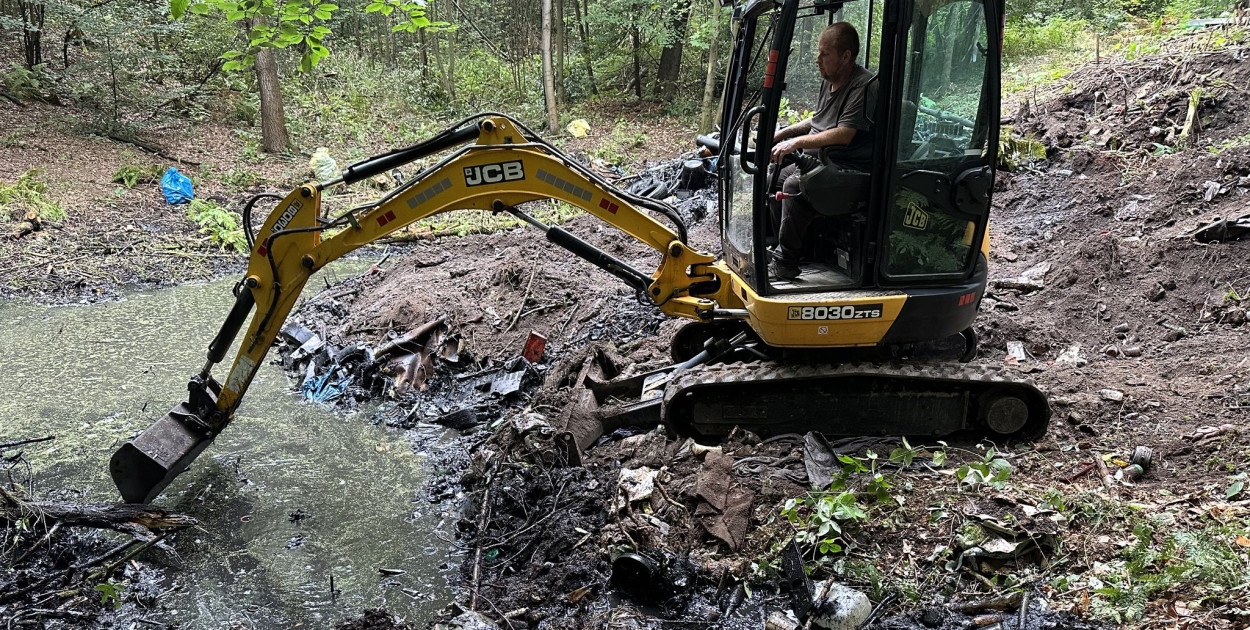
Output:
x=301 y=73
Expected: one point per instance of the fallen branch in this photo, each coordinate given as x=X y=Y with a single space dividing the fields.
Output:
x=8 y=445
x=134 y=519
x=153 y=149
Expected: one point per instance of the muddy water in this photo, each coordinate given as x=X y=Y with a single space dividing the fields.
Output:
x=95 y=375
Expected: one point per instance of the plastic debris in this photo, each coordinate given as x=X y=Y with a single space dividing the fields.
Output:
x=177 y=187
x=578 y=128
x=323 y=166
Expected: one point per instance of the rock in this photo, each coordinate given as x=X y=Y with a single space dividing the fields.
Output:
x=1132 y=351
x=1075 y=418
x=1121 y=328
x=468 y=621
x=933 y=617
x=1111 y=351
x=839 y=607
x=1072 y=356
x=779 y=621
x=1114 y=395
x=1156 y=293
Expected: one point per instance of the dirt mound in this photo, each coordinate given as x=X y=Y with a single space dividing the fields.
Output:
x=1157 y=104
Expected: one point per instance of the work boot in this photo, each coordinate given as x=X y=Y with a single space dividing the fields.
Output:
x=783 y=270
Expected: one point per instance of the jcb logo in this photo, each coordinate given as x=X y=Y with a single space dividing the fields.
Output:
x=915 y=218
x=493 y=173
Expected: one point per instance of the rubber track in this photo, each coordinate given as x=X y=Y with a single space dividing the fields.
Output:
x=770 y=371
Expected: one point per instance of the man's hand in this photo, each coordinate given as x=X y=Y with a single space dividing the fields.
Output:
x=784 y=148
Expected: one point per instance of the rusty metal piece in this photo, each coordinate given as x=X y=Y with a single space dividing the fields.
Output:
x=1083 y=469
x=412 y=355
x=535 y=344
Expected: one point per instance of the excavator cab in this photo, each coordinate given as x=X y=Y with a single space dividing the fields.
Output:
x=916 y=216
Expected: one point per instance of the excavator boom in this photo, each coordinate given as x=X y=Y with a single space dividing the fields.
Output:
x=507 y=166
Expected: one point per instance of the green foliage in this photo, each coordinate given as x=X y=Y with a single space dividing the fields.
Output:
x=241 y=178
x=411 y=13
x=1235 y=488
x=619 y=147
x=25 y=83
x=223 y=227
x=1202 y=563
x=26 y=194
x=991 y=470
x=111 y=591
x=1015 y=151
x=1033 y=35
x=273 y=24
x=819 y=517
x=130 y=175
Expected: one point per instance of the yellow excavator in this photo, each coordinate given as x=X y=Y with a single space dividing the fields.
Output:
x=897 y=259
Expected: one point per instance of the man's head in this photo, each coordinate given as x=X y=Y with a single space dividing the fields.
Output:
x=837 y=51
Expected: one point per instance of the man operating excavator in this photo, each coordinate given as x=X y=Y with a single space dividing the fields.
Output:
x=841 y=125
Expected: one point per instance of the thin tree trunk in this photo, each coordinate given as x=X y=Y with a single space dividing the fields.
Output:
x=707 y=117
x=451 y=65
x=634 y=41
x=272 y=113
x=424 y=44
x=549 y=89
x=558 y=25
x=585 y=33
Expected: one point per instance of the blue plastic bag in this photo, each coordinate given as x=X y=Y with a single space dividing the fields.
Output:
x=176 y=186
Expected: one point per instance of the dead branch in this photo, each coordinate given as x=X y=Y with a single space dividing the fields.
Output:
x=153 y=149
x=8 y=445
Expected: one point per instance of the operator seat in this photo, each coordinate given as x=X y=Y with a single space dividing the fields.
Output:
x=838 y=189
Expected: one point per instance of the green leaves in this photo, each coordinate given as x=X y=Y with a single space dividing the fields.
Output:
x=290 y=23
x=991 y=471
x=110 y=591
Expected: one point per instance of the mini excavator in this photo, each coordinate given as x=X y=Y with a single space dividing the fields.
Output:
x=897 y=258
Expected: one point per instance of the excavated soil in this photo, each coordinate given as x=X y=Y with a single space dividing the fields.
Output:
x=1134 y=330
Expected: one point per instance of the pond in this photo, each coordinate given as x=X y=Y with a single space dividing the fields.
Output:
x=288 y=497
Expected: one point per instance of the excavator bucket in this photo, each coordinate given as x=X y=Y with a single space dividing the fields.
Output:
x=142 y=467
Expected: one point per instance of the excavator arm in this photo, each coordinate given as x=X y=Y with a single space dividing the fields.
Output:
x=507 y=166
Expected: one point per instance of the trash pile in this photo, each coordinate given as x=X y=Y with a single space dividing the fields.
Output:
x=459 y=392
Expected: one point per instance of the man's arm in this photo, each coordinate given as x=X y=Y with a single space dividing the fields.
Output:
x=828 y=137
x=794 y=131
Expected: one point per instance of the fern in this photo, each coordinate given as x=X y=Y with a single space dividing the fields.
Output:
x=28 y=194
x=222 y=226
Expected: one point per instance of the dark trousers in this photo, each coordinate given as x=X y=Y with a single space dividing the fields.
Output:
x=791 y=217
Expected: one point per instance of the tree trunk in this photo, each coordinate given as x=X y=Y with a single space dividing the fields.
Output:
x=636 y=44
x=585 y=33
x=558 y=24
x=272 y=114
x=670 y=56
x=32 y=32
x=549 y=88
x=707 y=117
x=425 y=53
x=451 y=65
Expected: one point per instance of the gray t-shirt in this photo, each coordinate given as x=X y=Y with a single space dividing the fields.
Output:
x=849 y=106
